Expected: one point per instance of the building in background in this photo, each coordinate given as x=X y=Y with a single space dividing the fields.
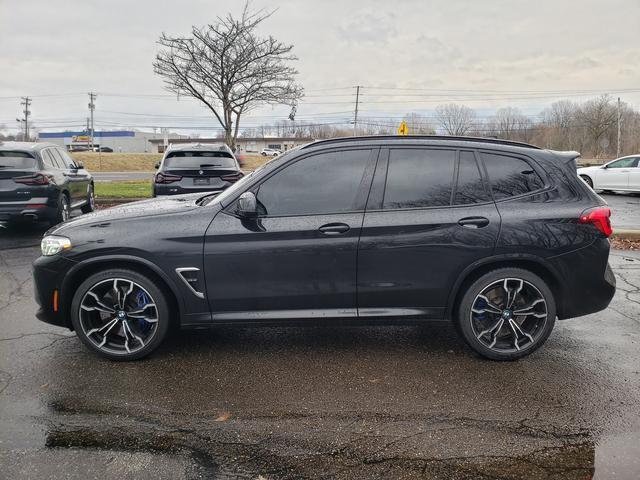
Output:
x=245 y=144
x=129 y=141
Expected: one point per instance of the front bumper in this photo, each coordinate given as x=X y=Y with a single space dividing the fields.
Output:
x=48 y=276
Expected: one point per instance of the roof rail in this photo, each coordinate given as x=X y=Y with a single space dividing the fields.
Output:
x=495 y=141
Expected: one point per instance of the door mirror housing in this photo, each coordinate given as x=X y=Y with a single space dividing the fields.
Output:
x=157 y=165
x=79 y=165
x=247 y=205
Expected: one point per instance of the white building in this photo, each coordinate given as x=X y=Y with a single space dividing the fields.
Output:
x=129 y=141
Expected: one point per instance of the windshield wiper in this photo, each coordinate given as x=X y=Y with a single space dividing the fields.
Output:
x=207 y=165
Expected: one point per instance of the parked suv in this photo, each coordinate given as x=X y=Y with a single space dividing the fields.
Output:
x=41 y=182
x=498 y=237
x=196 y=167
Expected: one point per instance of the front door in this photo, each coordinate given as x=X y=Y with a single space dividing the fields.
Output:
x=616 y=174
x=297 y=259
x=429 y=216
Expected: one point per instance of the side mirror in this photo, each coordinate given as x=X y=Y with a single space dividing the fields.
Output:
x=247 y=205
x=79 y=165
x=157 y=165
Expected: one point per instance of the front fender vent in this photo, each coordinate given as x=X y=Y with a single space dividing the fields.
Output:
x=191 y=277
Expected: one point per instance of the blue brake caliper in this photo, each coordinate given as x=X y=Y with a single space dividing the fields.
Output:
x=142 y=299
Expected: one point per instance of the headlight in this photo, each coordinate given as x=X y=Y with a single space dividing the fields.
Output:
x=53 y=244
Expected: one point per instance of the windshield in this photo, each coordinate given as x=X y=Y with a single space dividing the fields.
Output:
x=187 y=159
x=21 y=160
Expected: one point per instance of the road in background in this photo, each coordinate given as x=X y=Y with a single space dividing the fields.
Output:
x=625 y=210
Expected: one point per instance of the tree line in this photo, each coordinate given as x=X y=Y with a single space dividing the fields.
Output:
x=590 y=127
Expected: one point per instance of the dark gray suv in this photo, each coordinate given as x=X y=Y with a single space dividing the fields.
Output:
x=41 y=182
x=195 y=167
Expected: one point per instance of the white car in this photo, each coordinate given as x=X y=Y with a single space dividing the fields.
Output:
x=621 y=174
x=270 y=152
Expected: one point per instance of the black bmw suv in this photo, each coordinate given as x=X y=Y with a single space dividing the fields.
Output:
x=195 y=167
x=500 y=238
x=41 y=182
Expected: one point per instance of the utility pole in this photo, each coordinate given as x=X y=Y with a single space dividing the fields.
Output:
x=619 y=139
x=92 y=106
x=26 y=102
x=355 y=117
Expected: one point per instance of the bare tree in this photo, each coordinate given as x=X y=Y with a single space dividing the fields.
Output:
x=229 y=68
x=455 y=119
x=597 y=116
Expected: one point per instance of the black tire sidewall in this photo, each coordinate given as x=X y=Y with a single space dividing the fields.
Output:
x=58 y=216
x=159 y=297
x=88 y=208
x=587 y=180
x=463 y=325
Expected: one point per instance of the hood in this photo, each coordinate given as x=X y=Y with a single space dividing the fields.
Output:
x=143 y=208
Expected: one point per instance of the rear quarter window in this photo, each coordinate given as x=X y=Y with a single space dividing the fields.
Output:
x=12 y=159
x=510 y=176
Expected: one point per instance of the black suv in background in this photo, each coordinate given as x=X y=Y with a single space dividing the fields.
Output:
x=41 y=182
x=500 y=238
x=195 y=167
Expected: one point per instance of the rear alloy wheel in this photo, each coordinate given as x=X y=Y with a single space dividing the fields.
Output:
x=507 y=314
x=64 y=210
x=120 y=314
x=587 y=180
x=90 y=206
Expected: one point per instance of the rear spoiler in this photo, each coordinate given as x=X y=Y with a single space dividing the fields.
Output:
x=568 y=157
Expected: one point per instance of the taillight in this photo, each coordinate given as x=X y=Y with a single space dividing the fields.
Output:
x=599 y=217
x=166 y=178
x=232 y=177
x=37 y=179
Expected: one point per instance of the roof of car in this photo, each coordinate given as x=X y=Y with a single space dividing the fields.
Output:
x=206 y=147
x=423 y=139
x=25 y=146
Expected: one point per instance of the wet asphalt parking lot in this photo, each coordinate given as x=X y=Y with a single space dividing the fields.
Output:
x=388 y=402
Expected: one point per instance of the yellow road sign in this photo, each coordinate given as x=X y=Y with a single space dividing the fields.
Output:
x=403 y=129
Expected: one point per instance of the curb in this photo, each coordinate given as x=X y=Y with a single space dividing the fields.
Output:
x=626 y=234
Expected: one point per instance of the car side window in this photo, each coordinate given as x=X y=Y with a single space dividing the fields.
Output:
x=66 y=160
x=323 y=183
x=624 y=163
x=469 y=186
x=510 y=176
x=418 y=178
x=48 y=159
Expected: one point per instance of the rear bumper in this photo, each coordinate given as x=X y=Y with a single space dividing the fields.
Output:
x=587 y=281
x=169 y=189
x=36 y=209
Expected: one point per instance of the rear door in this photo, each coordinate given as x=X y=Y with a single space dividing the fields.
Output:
x=429 y=216
x=634 y=176
x=79 y=178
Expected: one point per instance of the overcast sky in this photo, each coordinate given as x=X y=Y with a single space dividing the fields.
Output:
x=484 y=48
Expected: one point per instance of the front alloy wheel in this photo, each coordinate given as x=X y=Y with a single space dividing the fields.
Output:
x=507 y=314
x=120 y=314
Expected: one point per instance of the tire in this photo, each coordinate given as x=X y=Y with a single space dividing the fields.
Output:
x=587 y=180
x=505 y=341
x=63 y=213
x=90 y=206
x=263 y=154
x=101 y=326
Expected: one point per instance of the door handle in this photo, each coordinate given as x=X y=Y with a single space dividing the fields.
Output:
x=473 y=222
x=334 y=228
